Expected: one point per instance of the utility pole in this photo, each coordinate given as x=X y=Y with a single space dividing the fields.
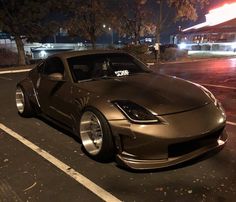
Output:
x=112 y=35
x=158 y=32
x=54 y=38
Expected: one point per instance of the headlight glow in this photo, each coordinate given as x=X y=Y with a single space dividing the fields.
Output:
x=136 y=113
x=233 y=45
x=182 y=46
x=43 y=54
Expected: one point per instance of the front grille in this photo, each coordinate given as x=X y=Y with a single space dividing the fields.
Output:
x=180 y=149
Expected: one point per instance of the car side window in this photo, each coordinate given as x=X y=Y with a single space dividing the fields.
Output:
x=88 y=67
x=81 y=67
x=53 y=65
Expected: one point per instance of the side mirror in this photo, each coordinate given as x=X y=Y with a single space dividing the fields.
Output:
x=56 y=77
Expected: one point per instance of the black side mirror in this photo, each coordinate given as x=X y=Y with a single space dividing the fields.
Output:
x=56 y=77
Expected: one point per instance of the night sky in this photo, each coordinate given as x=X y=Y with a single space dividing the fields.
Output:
x=172 y=28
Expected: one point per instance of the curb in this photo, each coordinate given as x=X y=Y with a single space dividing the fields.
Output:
x=18 y=68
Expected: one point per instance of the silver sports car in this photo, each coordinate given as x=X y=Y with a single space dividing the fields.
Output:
x=119 y=108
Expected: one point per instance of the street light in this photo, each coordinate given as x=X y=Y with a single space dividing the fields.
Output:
x=112 y=34
x=110 y=30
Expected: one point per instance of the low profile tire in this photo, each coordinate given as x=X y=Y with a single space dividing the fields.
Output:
x=96 y=135
x=22 y=102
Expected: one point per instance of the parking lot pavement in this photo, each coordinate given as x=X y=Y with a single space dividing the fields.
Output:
x=23 y=171
x=219 y=76
x=25 y=176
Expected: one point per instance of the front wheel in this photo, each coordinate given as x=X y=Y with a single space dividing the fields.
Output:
x=96 y=135
x=22 y=102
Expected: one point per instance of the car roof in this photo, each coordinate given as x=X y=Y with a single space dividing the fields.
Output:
x=69 y=54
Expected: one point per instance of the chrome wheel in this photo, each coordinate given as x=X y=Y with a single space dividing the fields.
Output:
x=20 y=100
x=91 y=133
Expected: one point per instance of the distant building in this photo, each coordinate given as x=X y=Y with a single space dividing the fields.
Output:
x=5 y=39
x=218 y=32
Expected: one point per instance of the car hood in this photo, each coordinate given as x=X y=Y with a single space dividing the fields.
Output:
x=158 y=93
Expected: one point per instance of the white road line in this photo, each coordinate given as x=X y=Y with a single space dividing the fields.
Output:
x=5 y=78
x=7 y=193
x=218 y=86
x=14 y=71
x=231 y=123
x=100 y=192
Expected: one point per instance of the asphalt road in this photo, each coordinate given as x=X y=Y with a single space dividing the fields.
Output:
x=27 y=176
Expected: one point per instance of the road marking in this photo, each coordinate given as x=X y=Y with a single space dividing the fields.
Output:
x=5 y=78
x=14 y=71
x=100 y=192
x=218 y=86
x=7 y=193
x=231 y=123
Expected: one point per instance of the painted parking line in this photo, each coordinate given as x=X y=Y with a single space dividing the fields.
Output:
x=231 y=123
x=218 y=86
x=7 y=193
x=100 y=192
x=5 y=78
x=14 y=71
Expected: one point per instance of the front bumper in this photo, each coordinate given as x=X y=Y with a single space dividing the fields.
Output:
x=140 y=164
x=178 y=138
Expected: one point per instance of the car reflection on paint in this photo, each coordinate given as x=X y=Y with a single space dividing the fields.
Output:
x=120 y=108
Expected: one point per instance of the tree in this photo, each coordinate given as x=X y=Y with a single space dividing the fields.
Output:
x=87 y=19
x=134 y=20
x=187 y=10
x=26 y=20
x=184 y=10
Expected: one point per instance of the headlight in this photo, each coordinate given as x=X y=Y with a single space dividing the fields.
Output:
x=136 y=113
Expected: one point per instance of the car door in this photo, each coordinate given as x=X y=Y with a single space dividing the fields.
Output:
x=55 y=95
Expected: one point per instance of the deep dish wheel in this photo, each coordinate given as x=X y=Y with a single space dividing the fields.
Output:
x=96 y=135
x=22 y=102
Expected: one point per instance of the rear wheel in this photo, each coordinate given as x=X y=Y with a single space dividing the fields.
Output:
x=22 y=102
x=96 y=135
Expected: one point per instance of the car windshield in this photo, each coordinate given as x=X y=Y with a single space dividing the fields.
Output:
x=100 y=66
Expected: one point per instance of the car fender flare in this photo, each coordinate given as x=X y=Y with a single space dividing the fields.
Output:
x=28 y=85
x=77 y=115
